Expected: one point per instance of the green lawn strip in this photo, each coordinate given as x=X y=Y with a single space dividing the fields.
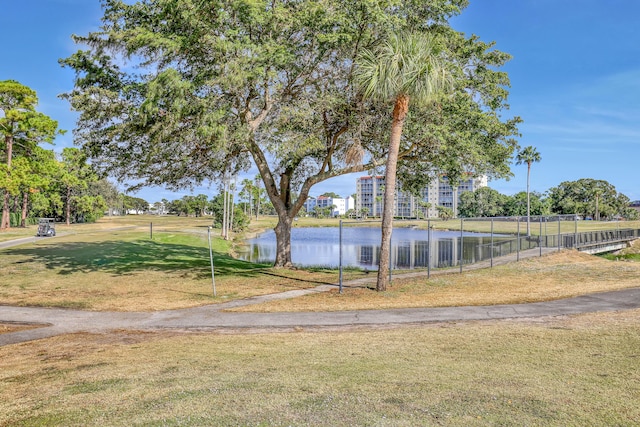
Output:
x=494 y=373
x=125 y=251
x=123 y=268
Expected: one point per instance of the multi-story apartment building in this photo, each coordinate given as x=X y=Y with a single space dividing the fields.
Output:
x=370 y=192
x=339 y=206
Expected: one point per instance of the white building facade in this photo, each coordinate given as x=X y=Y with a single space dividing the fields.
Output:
x=370 y=193
x=338 y=206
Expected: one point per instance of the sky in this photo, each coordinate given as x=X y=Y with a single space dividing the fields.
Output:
x=575 y=82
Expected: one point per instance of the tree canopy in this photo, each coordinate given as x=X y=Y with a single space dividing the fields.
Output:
x=22 y=128
x=485 y=201
x=178 y=92
x=586 y=196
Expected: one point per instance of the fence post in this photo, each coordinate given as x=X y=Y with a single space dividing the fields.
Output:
x=213 y=276
x=559 y=233
x=461 y=242
x=540 y=236
x=575 y=220
x=428 y=249
x=491 y=242
x=340 y=256
x=518 y=239
x=390 y=256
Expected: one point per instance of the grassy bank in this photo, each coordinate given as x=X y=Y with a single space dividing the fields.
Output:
x=117 y=265
x=554 y=276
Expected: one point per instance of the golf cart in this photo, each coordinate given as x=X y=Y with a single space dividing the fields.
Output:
x=46 y=227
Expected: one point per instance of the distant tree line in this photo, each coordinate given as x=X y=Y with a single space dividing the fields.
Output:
x=34 y=181
x=587 y=198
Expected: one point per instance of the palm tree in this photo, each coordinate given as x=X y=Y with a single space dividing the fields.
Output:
x=425 y=206
x=364 y=211
x=597 y=192
x=406 y=67
x=528 y=155
x=378 y=200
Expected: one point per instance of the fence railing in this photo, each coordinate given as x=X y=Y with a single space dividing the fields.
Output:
x=492 y=238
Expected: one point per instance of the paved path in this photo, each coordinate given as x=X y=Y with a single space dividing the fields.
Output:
x=22 y=241
x=55 y=321
x=212 y=317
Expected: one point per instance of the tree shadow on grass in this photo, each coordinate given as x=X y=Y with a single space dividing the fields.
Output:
x=127 y=257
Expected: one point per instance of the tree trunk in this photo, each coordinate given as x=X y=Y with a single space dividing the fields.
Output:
x=232 y=203
x=528 y=201
x=258 y=204
x=68 y=207
x=399 y=115
x=5 y=224
x=283 y=240
x=25 y=205
x=224 y=208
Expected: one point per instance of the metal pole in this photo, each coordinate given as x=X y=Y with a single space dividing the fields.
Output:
x=491 y=242
x=340 y=256
x=540 y=236
x=461 y=241
x=213 y=279
x=559 y=234
x=428 y=249
x=151 y=230
x=518 y=240
x=575 y=220
x=390 y=254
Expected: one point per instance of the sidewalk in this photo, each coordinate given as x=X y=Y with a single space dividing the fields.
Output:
x=212 y=317
x=17 y=242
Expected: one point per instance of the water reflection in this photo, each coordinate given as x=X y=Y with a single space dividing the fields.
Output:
x=410 y=248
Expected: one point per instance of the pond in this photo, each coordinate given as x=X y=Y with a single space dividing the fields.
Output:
x=410 y=248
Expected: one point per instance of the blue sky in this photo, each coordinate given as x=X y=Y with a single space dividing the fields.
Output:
x=575 y=81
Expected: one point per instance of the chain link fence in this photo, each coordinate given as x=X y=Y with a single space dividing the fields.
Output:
x=434 y=243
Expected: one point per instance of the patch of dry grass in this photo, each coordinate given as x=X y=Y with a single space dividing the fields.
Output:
x=557 y=275
x=6 y=328
x=581 y=370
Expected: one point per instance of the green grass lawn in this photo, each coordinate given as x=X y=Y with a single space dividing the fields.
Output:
x=18 y=233
x=119 y=266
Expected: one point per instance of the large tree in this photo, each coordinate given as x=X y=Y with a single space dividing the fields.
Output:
x=22 y=128
x=588 y=197
x=177 y=93
x=528 y=155
x=36 y=171
x=74 y=177
x=483 y=202
x=516 y=205
x=406 y=68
